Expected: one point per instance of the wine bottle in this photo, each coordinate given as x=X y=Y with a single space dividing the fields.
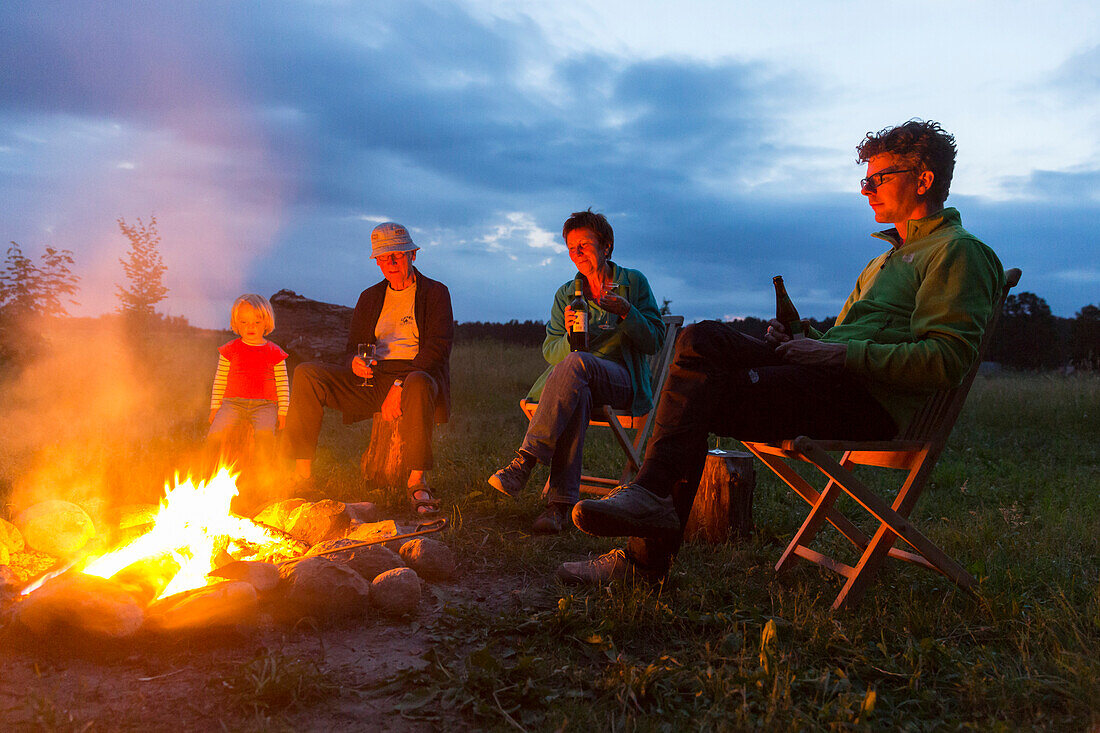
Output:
x=578 y=330
x=785 y=312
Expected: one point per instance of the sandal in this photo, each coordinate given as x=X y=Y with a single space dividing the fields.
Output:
x=421 y=507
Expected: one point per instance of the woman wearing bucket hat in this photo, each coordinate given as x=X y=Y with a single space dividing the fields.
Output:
x=407 y=318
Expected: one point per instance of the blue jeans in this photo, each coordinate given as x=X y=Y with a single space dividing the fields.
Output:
x=260 y=414
x=556 y=433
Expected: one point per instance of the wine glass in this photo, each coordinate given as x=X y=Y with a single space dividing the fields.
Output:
x=366 y=352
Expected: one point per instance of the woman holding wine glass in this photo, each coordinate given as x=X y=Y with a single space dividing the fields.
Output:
x=398 y=364
x=607 y=366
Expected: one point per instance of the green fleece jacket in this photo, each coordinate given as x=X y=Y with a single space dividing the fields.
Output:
x=627 y=339
x=916 y=317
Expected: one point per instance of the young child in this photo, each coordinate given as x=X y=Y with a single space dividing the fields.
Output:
x=251 y=383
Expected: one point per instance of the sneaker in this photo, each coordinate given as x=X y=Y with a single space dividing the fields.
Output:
x=552 y=520
x=512 y=478
x=605 y=568
x=628 y=511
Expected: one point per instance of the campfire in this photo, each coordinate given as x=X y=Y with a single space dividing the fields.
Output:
x=196 y=564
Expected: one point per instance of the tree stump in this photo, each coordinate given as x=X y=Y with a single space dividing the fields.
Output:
x=723 y=503
x=383 y=462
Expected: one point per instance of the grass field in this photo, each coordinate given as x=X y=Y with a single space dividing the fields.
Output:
x=725 y=643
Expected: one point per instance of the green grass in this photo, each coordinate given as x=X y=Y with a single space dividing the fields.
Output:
x=725 y=643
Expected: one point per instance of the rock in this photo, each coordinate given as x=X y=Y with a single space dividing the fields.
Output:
x=330 y=545
x=94 y=605
x=9 y=582
x=431 y=559
x=276 y=515
x=361 y=512
x=373 y=531
x=137 y=515
x=10 y=537
x=263 y=576
x=396 y=592
x=370 y=562
x=317 y=522
x=323 y=588
x=55 y=527
x=223 y=604
x=309 y=330
x=30 y=564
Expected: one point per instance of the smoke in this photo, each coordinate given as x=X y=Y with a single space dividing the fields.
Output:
x=103 y=415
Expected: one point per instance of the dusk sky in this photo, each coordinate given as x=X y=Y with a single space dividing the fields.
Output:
x=269 y=138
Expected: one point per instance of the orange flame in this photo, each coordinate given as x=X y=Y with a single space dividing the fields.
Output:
x=193 y=529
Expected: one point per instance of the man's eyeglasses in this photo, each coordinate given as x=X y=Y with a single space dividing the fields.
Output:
x=392 y=257
x=873 y=181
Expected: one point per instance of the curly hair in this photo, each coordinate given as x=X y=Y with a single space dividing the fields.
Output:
x=596 y=223
x=924 y=144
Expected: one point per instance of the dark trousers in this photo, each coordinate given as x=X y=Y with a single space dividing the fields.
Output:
x=316 y=386
x=724 y=382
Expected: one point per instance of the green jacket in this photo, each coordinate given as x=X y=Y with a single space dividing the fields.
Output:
x=626 y=340
x=916 y=317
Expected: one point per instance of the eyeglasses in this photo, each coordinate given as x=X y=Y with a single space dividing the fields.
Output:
x=393 y=257
x=873 y=181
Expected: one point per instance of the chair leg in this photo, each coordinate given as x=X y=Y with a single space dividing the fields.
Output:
x=813 y=523
x=801 y=487
x=893 y=524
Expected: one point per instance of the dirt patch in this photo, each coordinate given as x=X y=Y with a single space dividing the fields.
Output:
x=268 y=677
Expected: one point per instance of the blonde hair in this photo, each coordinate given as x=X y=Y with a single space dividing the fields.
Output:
x=258 y=303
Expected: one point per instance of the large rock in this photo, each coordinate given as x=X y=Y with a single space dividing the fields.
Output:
x=324 y=589
x=228 y=603
x=11 y=538
x=55 y=527
x=396 y=592
x=373 y=531
x=263 y=576
x=309 y=330
x=361 y=512
x=319 y=521
x=368 y=561
x=9 y=583
x=98 y=606
x=431 y=559
x=372 y=561
x=276 y=515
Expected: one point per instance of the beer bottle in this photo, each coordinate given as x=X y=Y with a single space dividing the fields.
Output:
x=578 y=330
x=785 y=312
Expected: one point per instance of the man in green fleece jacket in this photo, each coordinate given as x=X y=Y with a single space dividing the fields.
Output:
x=912 y=325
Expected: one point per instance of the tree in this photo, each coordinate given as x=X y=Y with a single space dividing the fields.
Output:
x=1085 y=338
x=1027 y=336
x=144 y=270
x=29 y=292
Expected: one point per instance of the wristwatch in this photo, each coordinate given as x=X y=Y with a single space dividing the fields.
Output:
x=397 y=383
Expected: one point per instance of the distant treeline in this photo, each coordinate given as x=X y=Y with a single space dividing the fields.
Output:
x=1028 y=336
x=524 y=333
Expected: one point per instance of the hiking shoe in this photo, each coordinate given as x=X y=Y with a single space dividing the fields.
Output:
x=628 y=511
x=512 y=478
x=552 y=520
x=603 y=569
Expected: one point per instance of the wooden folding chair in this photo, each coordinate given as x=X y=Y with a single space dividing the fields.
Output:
x=620 y=422
x=915 y=451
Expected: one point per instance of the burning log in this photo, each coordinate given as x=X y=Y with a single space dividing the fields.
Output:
x=223 y=604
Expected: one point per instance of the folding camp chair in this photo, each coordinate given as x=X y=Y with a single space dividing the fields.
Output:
x=620 y=422
x=914 y=451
